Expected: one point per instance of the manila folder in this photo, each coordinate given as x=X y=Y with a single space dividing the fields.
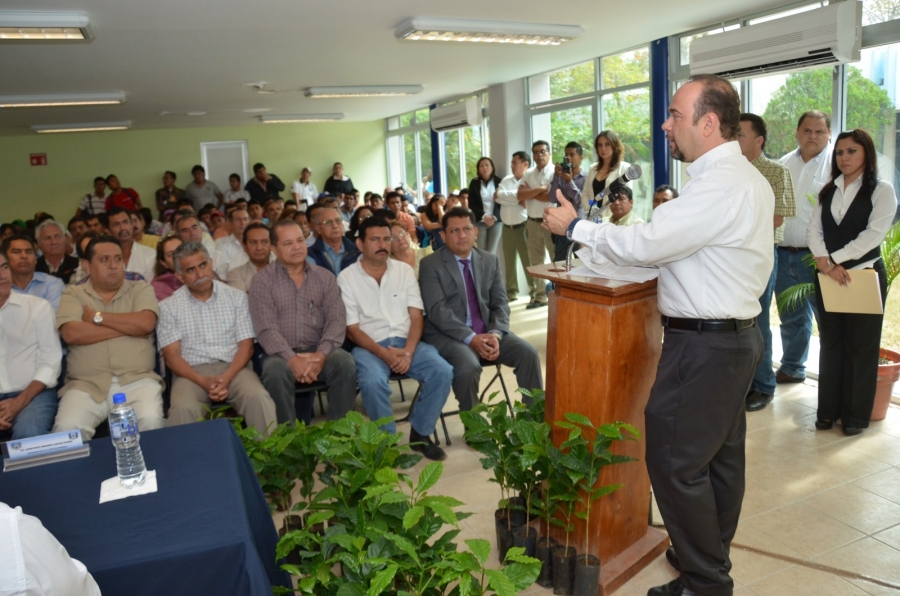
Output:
x=862 y=295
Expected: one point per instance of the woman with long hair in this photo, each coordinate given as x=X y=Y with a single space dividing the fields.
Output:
x=434 y=213
x=845 y=233
x=362 y=212
x=166 y=282
x=483 y=203
x=609 y=166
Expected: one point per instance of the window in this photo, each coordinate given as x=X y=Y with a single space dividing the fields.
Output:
x=565 y=82
x=462 y=150
x=409 y=150
x=627 y=68
x=880 y=11
x=451 y=160
x=628 y=114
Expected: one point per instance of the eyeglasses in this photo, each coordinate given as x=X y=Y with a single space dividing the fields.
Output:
x=332 y=222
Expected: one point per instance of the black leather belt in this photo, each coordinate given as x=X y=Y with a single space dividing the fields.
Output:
x=515 y=227
x=537 y=219
x=707 y=324
x=795 y=248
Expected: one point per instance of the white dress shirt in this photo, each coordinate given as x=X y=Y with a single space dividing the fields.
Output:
x=142 y=261
x=884 y=206
x=713 y=248
x=307 y=193
x=230 y=196
x=230 y=249
x=808 y=178
x=512 y=213
x=535 y=178
x=208 y=331
x=34 y=563
x=30 y=349
x=487 y=198
x=380 y=310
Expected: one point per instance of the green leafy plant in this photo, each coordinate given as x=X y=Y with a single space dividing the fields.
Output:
x=590 y=456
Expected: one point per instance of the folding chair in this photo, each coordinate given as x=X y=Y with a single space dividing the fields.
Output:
x=497 y=375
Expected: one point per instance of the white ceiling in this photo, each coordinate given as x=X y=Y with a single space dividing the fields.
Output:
x=194 y=55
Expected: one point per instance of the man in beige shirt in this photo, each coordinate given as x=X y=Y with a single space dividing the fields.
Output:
x=621 y=207
x=108 y=324
x=258 y=251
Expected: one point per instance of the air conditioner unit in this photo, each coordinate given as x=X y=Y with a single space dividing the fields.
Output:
x=824 y=36
x=461 y=114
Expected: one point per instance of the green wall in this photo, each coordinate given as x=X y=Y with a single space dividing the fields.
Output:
x=139 y=158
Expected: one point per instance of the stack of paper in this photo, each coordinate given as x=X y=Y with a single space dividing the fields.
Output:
x=607 y=270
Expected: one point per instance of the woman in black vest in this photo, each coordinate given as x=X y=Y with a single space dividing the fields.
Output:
x=845 y=232
x=483 y=203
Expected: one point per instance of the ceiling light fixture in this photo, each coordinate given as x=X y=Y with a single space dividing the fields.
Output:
x=37 y=26
x=291 y=118
x=81 y=127
x=500 y=32
x=363 y=91
x=61 y=99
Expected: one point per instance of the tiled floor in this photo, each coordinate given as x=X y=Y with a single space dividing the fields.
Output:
x=821 y=514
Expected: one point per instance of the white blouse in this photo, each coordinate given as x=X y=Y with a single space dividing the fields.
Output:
x=487 y=197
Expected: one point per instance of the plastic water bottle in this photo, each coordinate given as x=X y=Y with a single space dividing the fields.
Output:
x=123 y=428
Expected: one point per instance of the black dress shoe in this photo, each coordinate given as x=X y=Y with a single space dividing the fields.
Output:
x=851 y=430
x=425 y=446
x=672 y=558
x=757 y=400
x=535 y=304
x=673 y=588
x=823 y=424
x=783 y=377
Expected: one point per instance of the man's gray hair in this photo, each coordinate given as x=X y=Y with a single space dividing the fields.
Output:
x=188 y=249
x=45 y=224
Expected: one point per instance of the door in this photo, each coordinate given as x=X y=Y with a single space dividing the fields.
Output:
x=222 y=159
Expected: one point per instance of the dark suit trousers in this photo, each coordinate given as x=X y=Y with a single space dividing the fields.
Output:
x=848 y=360
x=695 y=447
x=514 y=352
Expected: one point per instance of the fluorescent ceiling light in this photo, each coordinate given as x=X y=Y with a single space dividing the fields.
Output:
x=363 y=91
x=82 y=127
x=61 y=99
x=501 y=32
x=289 y=118
x=40 y=26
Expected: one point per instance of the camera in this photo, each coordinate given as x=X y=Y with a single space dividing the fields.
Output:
x=566 y=166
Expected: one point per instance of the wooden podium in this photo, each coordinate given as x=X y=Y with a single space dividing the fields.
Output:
x=603 y=343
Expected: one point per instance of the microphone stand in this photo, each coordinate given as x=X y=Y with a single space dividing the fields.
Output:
x=587 y=217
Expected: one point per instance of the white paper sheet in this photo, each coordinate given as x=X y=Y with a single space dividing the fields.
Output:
x=607 y=270
x=112 y=490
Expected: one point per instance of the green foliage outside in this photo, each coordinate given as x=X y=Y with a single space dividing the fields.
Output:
x=868 y=107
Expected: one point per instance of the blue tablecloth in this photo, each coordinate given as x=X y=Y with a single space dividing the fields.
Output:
x=207 y=530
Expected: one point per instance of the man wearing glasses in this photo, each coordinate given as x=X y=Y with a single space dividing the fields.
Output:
x=332 y=250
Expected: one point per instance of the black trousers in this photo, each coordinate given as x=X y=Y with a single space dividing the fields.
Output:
x=848 y=360
x=695 y=447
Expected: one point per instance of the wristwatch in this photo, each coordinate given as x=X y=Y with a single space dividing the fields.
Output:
x=98 y=318
x=571 y=229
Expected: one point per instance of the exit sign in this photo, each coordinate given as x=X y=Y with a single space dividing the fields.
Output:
x=38 y=159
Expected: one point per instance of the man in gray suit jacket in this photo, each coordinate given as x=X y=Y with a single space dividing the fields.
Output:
x=455 y=279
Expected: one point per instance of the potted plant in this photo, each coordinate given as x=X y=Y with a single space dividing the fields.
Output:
x=564 y=480
x=889 y=363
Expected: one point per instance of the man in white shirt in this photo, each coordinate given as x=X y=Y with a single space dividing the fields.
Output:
x=206 y=337
x=385 y=321
x=514 y=217
x=304 y=191
x=30 y=361
x=810 y=166
x=34 y=563
x=231 y=247
x=188 y=229
x=139 y=259
x=235 y=192
x=534 y=195
x=257 y=254
x=713 y=248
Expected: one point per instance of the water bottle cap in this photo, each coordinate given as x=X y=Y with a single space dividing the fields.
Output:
x=119 y=398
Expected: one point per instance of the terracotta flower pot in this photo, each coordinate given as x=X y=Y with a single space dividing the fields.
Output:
x=888 y=374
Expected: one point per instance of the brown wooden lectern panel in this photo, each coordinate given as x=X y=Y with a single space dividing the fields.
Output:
x=603 y=343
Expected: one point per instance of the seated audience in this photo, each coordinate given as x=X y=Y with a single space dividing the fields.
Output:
x=76 y=227
x=54 y=260
x=37 y=564
x=395 y=204
x=433 y=215
x=304 y=191
x=107 y=324
x=125 y=198
x=663 y=194
x=384 y=320
x=257 y=250
x=30 y=360
x=168 y=196
x=331 y=250
x=620 y=206
x=263 y=185
x=94 y=202
x=206 y=337
x=202 y=191
x=337 y=182
x=348 y=206
x=165 y=282
x=255 y=211
x=362 y=213
x=139 y=233
x=231 y=247
x=467 y=311
x=273 y=207
x=403 y=249
x=138 y=258
x=234 y=192
x=218 y=228
x=376 y=201
x=96 y=222
x=302 y=219
x=303 y=344
x=21 y=251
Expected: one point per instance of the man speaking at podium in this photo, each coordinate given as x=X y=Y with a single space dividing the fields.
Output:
x=713 y=250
